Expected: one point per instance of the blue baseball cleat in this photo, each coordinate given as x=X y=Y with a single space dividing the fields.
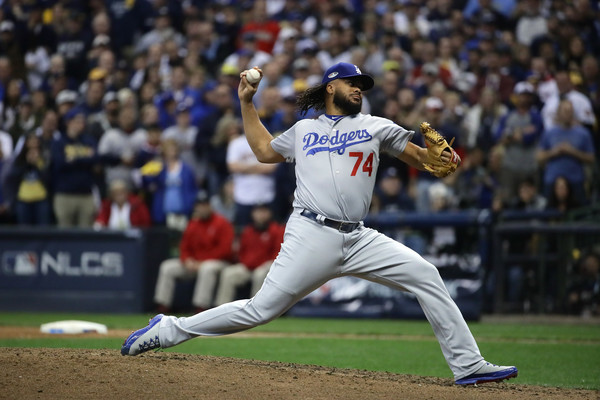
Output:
x=489 y=373
x=143 y=339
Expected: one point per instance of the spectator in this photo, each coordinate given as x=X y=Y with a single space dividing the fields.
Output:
x=253 y=182
x=582 y=105
x=39 y=106
x=248 y=54
x=286 y=43
x=73 y=44
x=260 y=242
x=566 y=150
x=562 y=197
x=172 y=186
x=223 y=202
x=149 y=116
x=65 y=101
x=107 y=119
x=388 y=87
x=122 y=144
x=407 y=101
x=122 y=210
x=528 y=198
x=12 y=46
x=264 y=29
x=408 y=18
x=25 y=119
x=274 y=77
x=40 y=39
x=519 y=133
x=333 y=48
x=474 y=183
x=428 y=76
x=183 y=94
x=100 y=44
x=541 y=77
x=481 y=121
x=494 y=77
x=57 y=79
x=94 y=94
x=127 y=21
x=486 y=10
x=9 y=107
x=184 y=133
x=390 y=193
x=270 y=110
x=47 y=132
x=583 y=293
x=30 y=182
x=162 y=31
x=206 y=46
x=205 y=249
x=531 y=23
x=101 y=26
x=74 y=156
x=150 y=150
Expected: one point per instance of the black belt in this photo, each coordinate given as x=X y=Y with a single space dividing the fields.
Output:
x=345 y=227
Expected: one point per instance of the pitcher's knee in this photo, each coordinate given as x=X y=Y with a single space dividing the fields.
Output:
x=428 y=271
x=269 y=303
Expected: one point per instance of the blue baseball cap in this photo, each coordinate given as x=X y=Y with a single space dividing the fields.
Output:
x=346 y=70
x=72 y=113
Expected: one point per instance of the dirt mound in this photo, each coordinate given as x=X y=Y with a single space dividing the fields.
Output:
x=99 y=374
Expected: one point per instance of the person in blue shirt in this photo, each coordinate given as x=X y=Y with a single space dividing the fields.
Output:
x=519 y=132
x=172 y=185
x=565 y=150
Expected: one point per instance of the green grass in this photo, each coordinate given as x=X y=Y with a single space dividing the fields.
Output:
x=546 y=354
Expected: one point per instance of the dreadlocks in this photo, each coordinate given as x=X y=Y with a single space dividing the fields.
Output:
x=313 y=97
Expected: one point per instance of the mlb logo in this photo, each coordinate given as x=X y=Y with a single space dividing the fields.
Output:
x=20 y=263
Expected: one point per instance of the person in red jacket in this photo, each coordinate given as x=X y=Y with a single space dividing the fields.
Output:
x=262 y=28
x=205 y=249
x=122 y=209
x=260 y=242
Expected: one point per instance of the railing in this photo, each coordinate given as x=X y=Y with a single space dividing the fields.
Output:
x=549 y=260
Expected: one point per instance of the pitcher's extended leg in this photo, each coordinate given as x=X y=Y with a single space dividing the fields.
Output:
x=395 y=265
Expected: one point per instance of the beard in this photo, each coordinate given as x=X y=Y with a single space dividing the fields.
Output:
x=347 y=106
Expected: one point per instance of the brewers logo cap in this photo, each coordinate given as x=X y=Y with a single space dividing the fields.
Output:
x=346 y=70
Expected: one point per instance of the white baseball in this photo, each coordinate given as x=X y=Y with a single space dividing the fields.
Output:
x=252 y=76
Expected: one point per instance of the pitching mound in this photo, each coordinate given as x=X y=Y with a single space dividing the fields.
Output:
x=99 y=374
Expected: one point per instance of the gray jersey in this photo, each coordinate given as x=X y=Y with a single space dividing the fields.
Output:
x=337 y=161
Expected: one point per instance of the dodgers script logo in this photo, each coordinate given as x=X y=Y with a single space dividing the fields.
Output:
x=338 y=142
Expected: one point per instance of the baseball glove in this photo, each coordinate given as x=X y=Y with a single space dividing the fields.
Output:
x=436 y=145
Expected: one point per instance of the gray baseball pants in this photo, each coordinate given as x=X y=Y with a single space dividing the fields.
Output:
x=311 y=255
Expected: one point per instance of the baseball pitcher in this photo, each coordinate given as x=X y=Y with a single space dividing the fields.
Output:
x=336 y=159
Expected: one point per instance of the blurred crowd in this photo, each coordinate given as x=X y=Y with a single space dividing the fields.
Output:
x=115 y=113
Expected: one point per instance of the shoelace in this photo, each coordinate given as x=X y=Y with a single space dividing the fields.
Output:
x=150 y=344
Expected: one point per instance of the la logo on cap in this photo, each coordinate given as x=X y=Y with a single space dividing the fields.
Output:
x=357 y=70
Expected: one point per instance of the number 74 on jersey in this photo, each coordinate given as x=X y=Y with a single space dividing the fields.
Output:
x=367 y=166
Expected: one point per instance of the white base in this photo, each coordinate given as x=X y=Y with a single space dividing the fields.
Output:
x=73 y=327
